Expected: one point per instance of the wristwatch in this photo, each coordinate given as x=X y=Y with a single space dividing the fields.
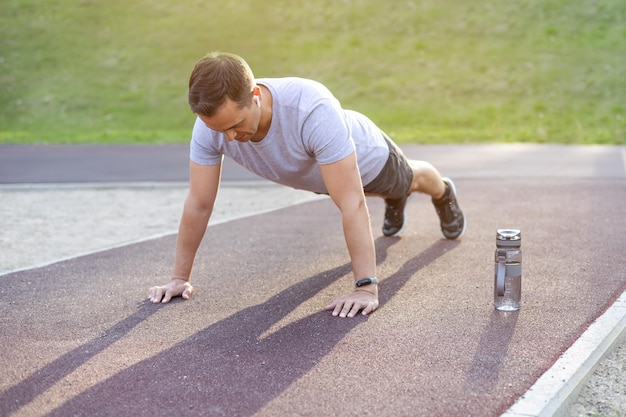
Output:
x=365 y=281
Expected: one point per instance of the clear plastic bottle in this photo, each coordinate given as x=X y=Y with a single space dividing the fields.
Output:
x=507 y=292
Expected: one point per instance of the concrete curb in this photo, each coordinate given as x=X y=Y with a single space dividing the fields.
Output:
x=558 y=387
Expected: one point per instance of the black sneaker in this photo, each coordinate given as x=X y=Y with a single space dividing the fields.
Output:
x=395 y=216
x=450 y=214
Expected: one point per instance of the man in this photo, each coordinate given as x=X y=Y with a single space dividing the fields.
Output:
x=294 y=132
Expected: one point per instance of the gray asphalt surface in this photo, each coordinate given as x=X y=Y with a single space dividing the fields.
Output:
x=78 y=337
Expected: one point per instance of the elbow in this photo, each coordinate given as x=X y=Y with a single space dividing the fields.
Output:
x=353 y=206
x=197 y=208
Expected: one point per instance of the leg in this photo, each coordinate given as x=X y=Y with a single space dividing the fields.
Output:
x=426 y=179
x=399 y=178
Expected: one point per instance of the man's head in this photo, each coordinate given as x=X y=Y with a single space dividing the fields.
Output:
x=217 y=77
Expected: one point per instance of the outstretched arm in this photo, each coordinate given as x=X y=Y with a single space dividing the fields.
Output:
x=203 y=187
x=343 y=182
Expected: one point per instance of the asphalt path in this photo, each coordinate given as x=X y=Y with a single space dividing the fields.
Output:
x=79 y=338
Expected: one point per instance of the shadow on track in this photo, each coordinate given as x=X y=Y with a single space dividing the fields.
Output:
x=226 y=369
x=21 y=394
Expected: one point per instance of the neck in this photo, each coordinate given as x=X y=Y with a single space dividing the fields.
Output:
x=266 y=113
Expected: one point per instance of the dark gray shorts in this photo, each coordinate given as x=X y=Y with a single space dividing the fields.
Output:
x=394 y=181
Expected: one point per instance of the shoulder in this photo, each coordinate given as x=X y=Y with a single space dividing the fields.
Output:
x=206 y=144
x=303 y=88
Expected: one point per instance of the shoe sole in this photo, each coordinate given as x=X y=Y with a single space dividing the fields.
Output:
x=451 y=184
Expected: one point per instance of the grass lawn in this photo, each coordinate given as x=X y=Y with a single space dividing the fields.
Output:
x=426 y=71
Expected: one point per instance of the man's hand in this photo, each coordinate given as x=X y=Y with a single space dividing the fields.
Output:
x=349 y=305
x=176 y=287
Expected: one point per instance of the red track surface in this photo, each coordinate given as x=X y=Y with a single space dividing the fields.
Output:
x=78 y=336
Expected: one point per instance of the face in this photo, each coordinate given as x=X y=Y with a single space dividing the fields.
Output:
x=240 y=124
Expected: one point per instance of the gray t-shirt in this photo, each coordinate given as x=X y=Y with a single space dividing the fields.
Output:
x=308 y=128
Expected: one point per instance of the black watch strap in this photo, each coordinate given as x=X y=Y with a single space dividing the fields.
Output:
x=365 y=281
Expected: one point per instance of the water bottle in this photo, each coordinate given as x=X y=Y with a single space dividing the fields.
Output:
x=507 y=292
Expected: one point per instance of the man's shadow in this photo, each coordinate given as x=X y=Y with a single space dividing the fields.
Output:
x=36 y=384
x=227 y=368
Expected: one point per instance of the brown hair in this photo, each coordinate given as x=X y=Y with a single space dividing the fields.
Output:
x=215 y=78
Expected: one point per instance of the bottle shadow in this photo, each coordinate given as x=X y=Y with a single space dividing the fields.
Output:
x=227 y=368
x=491 y=352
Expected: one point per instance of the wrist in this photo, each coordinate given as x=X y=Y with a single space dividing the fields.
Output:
x=366 y=282
x=369 y=285
x=186 y=279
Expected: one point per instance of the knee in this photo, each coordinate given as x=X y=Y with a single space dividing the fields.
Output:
x=423 y=170
x=426 y=178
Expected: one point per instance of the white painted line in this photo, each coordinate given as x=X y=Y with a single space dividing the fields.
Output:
x=560 y=385
x=28 y=186
x=286 y=198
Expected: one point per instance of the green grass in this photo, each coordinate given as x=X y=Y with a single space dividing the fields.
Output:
x=426 y=71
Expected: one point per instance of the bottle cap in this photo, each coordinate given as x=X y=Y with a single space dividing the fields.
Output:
x=509 y=237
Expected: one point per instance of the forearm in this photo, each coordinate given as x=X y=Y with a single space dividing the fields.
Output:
x=357 y=230
x=190 y=233
x=358 y=234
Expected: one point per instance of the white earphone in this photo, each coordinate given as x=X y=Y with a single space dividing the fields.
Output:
x=258 y=102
